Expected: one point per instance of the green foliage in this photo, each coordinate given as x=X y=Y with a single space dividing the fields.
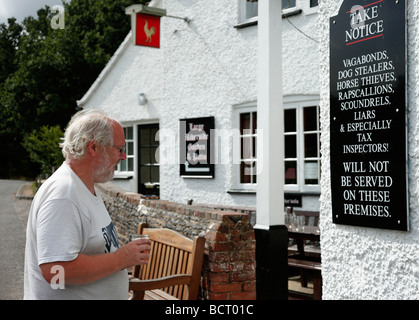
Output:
x=9 y=40
x=44 y=71
x=43 y=147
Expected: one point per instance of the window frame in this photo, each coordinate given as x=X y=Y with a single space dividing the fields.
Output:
x=299 y=103
x=292 y=9
x=300 y=5
x=125 y=174
x=289 y=102
x=148 y=148
x=242 y=20
x=238 y=110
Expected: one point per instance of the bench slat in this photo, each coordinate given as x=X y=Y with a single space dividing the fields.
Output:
x=305 y=264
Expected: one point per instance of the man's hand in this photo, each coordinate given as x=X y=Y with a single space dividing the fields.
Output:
x=135 y=252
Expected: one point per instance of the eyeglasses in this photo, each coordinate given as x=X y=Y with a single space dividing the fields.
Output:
x=121 y=150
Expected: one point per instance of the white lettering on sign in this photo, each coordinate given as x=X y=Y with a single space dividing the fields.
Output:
x=362 y=25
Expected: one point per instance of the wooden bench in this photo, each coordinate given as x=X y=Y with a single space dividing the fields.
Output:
x=173 y=271
x=316 y=269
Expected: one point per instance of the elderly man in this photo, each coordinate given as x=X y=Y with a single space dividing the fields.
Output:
x=72 y=249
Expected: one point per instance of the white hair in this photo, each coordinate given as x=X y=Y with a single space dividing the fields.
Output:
x=85 y=126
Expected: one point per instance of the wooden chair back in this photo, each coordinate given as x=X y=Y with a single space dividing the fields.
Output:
x=175 y=262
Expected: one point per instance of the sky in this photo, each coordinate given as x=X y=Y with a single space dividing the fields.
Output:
x=20 y=9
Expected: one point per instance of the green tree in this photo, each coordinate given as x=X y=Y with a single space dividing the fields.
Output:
x=9 y=40
x=44 y=71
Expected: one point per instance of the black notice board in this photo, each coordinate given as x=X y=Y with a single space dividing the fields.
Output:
x=368 y=132
x=196 y=147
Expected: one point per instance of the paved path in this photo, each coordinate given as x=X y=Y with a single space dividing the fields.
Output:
x=13 y=218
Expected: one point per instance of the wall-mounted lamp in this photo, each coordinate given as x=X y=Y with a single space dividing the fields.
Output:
x=142 y=100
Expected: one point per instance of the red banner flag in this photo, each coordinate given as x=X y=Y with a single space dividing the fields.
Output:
x=148 y=31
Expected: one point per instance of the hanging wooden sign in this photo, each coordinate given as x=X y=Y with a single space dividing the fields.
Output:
x=147 y=30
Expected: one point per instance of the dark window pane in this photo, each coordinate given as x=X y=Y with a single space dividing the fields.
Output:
x=145 y=137
x=310 y=145
x=130 y=148
x=130 y=164
x=155 y=174
x=145 y=174
x=244 y=172
x=129 y=135
x=290 y=172
x=244 y=123
x=291 y=146
x=290 y=123
x=310 y=119
x=145 y=157
x=148 y=166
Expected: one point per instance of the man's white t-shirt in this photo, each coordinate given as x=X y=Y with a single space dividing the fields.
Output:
x=67 y=219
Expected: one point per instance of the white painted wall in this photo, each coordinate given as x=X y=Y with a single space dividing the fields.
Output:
x=366 y=263
x=203 y=68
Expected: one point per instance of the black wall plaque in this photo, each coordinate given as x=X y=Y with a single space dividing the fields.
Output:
x=293 y=200
x=196 y=147
x=368 y=114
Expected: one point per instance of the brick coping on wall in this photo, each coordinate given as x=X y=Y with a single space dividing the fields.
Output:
x=229 y=266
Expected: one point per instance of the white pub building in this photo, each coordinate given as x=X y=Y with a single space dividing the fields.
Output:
x=231 y=103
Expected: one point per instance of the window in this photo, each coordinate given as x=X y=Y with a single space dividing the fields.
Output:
x=248 y=126
x=248 y=13
x=251 y=9
x=311 y=132
x=128 y=164
x=291 y=146
x=248 y=10
x=314 y=3
x=148 y=167
x=288 y=4
x=310 y=6
x=302 y=145
x=244 y=137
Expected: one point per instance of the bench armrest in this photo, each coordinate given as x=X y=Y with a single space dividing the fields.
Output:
x=136 y=284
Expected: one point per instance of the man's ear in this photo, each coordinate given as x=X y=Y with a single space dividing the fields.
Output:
x=92 y=147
